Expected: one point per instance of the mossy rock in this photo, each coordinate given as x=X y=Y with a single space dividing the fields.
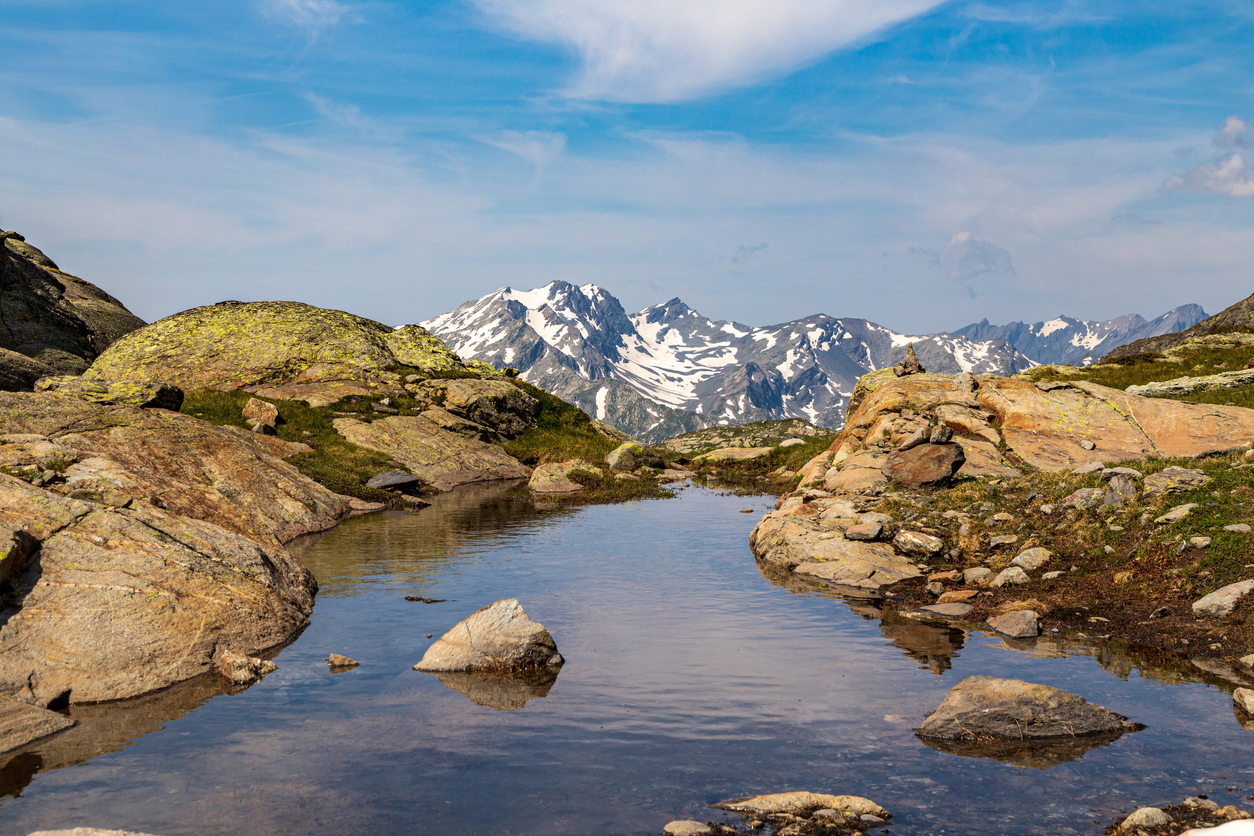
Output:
x=233 y=345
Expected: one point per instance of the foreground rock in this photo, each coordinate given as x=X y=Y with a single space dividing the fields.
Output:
x=21 y=724
x=54 y=323
x=989 y=708
x=113 y=392
x=555 y=478
x=499 y=637
x=160 y=545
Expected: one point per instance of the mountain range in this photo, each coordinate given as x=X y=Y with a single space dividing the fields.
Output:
x=1075 y=341
x=667 y=369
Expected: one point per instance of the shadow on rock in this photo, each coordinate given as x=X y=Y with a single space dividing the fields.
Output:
x=1038 y=754
x=502 y=691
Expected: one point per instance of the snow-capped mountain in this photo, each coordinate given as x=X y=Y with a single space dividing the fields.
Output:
x=1075 y=341
x=668 y=370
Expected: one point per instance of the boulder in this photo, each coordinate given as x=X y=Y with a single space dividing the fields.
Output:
x=21 y=724
x=393 y=480
x=497 y=404
x=256 y=411
x=865 y=531
x=1011 y=575
x=1085 y=498
x=441 y=459
x=1174 y=480
x=918 y=544
x=555 y=478
x=1029 y=560
x=110 y=392
x=791 y=442
x=1145 y=817
x=802 y=803
x=1119 y=490
x=242 y=669
x=1018 y=624
x=986 y=707
x=267 y=345
x=1222 y=601
x=497 y=637
x=54 y=323
x=1243 y=698
x=924 y=464
x=1176 y=514
x=687 y=827
x=335 y=660
x=624 y=458
x=859 y=565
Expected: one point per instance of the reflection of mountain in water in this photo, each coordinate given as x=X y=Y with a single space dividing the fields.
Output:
x=502 y=691
x=103 y=728
x=1039 y=754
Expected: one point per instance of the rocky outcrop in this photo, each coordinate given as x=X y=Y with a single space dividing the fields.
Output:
x=757 y=434
x=281 y=350
x=499 y=637
x=51 y=323
x=113 y=392
x=441 y=459
x=986 y=707
x=555 y=478
x=1238 y=318
x=496 y=404
x=159 y=547
x=21 y=724
x=1176 y=387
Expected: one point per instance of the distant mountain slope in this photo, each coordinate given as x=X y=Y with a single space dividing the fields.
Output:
x=668 y=370
x=1080 y=342
x=1238 y=318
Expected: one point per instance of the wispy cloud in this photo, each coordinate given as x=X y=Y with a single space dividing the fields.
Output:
x=662 y=51
x=966 y=257
x=536 y=147
x=744 y=253
x=311 y=16
x=1227 y=174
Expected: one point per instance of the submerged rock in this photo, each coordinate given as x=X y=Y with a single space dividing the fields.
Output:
x=498 y=637
x=242 y=669
x=989 y=708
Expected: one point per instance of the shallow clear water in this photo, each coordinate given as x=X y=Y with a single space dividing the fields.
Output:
x=690 y=678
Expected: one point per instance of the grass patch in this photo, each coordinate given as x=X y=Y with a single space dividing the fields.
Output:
x=334 y=462
x=754 y=476
x=562 y=432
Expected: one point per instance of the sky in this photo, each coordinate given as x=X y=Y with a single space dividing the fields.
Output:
x=918 y=163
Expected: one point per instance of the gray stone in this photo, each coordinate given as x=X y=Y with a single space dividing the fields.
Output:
x=1176 y=514
x=241 y=669
x=1111 y=472
x=935 y=588
x=1248 y=661
x=965 y=382
x=873 y=517
x=499 y=636
x=1200 y=542
x=384 y=409
x=860 y=565
x=1018 y=624
x=1120 y=489
x=393 y=480
x=1085 y=498
x=1238 y=528
x=1087 y=445
x=1184 y=385
x=983 y=707
x=925 y=464
x=1012 y=575
x=864 y=531
x=555 y=478
x=1091 y=467
x=625 y=457
x=941 y=435
x=1174 y=480
x=909 y=365
x=1222 y=601
x=1003 y=540
x=954 y=609
x=919 y=436
x=1030 y=560
x=918 y=544
x=791 y=442
x=1146 y=817
x=1049 y=576
x=801 y=803
x=1244 y=699
x=974 y=576
x=686 y=828
x=257 y=410
x=262 y=428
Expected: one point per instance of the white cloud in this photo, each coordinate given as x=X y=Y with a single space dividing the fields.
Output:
x=966 y=257
x=1227 y=174
x=312 y=16
x=536 y=147
x=746 y=253
x=670 y=50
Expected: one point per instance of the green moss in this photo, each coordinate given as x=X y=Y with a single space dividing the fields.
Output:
x=562 y=432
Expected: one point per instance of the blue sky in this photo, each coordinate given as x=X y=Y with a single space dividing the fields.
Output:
x=922 y=164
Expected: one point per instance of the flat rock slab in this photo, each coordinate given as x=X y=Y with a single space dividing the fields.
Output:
x=1222 y=601
x=989 y=708
x=498 y=637
x=950 y=609
x=1019 y=624
x=393 y=480
x=1029 y=560
x=800 y=803
x=440 y=458
x=1174 y=480
x=861 y=565
x=21 y=724
x=112 y=392
x=925 y=464
x=687 y=828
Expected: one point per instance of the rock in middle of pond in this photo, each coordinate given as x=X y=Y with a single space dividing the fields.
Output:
x=988 y=708
x=499 y=637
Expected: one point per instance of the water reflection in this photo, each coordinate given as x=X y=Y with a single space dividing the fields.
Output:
x=502 y=691
x=1039 y=754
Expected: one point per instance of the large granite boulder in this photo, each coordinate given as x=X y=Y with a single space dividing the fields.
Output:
x=109 y=392
x=440 y=458
x=54 y=323
x=282 y=350
x=988 y=708
x=497 y=404
x=499 y=637
x=925 y=464
x=159 y=547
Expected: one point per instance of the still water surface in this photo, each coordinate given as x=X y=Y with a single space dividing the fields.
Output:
x=690 y=678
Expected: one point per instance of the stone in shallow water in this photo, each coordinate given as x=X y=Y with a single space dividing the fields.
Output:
x=498 y=637
x=800 y=803
x=949 y=610
x=1019 y=624
x=1146 y=817
x=1243 y=698
x=686 y=828
x=335 y=660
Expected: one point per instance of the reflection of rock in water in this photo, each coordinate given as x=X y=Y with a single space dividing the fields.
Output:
x=102 y=728
x=502 y=691
x=1246 y=720
x=1038 y=754
x=934 y=645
